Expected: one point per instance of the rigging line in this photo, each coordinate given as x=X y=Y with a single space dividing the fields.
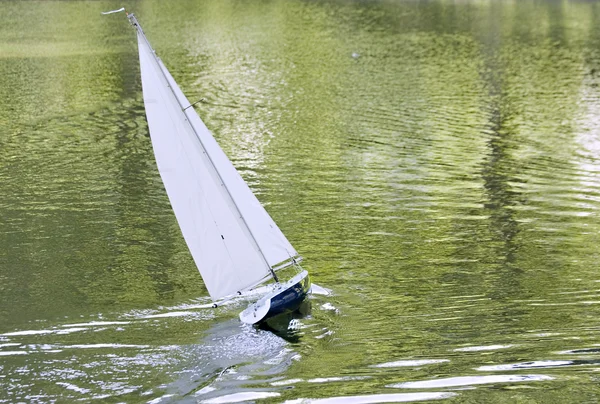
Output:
x=191 y=105
x=137 y=26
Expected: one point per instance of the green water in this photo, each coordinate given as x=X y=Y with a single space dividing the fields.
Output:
x=437 y=164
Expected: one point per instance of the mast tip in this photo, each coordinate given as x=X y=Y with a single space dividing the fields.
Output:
x=114 y=11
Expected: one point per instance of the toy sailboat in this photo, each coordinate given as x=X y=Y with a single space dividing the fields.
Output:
x=233 y=240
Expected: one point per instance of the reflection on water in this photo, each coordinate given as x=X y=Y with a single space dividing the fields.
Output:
x=437 y=164
x=376 y=398
x=414 y=363
x=289 y=325
x=470 y=380
x=209 y=361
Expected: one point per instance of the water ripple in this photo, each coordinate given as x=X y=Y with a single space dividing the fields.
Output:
x=526 y=365
x=409 y=363
x=374 y=398
x=241 y=397
x=471 y=380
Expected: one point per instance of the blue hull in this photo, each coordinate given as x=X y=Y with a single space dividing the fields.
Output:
x=289 y=299
x=284 y=298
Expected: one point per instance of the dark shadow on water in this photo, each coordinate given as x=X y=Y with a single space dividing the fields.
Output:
x=285 y=325
x=229 y=350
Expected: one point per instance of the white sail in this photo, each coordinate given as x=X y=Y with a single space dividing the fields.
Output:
x=233 y=240
x=272 y=242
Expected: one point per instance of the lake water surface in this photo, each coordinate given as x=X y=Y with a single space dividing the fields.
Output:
x=437 y=163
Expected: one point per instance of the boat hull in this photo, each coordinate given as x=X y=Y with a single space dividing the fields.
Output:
x=285 y=298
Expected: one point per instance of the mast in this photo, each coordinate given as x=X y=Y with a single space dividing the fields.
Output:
x=183 y=110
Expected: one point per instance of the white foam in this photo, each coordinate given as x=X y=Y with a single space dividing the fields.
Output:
x=329 y=306
x=318 y=290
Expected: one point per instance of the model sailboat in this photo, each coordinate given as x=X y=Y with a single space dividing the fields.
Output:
x=233 y=240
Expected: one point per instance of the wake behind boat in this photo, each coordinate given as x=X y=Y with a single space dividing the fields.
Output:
x=234 y=242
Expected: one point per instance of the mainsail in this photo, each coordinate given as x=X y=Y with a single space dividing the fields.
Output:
x=233 y=240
